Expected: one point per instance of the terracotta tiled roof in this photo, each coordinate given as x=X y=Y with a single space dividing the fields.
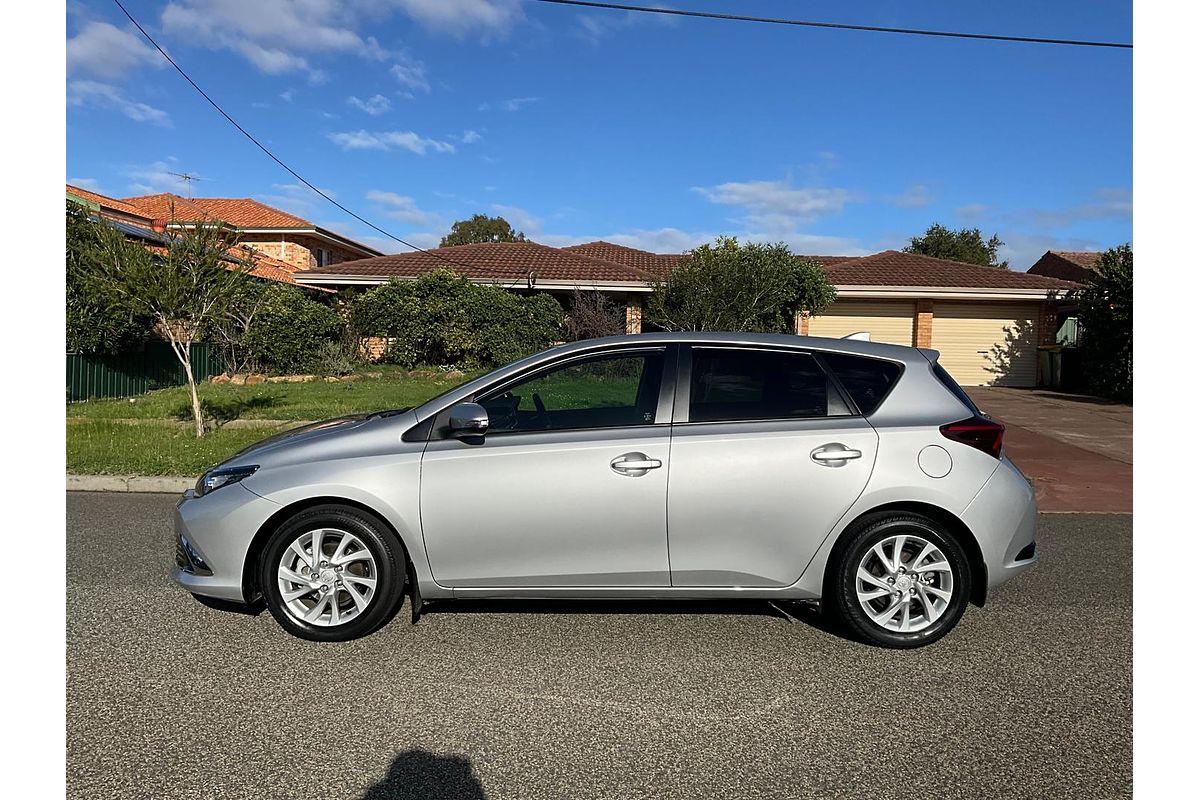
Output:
x=893 y=268
x=829 y=261
x=107 y=202
x=242 y=212
x=167 y=206
x=493 y=261
x=659 y=264
x=1067 y=265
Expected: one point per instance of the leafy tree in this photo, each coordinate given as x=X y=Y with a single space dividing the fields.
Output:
x=96 y=323
x=289 y=331
x=183 y=287
x=443 y=319
x=966 y=245
x=1106 y=320
x=479 y=229
x=728 y=286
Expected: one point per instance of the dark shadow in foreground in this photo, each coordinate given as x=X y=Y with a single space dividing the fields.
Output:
x=421 y=775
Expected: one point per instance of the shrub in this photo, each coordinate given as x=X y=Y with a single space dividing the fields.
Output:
x=289 y=330
x=1106 y=320
x=728 y=286
x=440 y=318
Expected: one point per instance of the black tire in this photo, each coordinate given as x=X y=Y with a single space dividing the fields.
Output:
x=384 y=546
x=841 y=593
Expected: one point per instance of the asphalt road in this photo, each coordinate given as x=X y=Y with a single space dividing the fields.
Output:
x=1028 y=698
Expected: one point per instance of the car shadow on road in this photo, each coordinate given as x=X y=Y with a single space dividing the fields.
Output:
x=421 y=775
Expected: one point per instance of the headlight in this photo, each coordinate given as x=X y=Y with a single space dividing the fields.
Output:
x=216 y=478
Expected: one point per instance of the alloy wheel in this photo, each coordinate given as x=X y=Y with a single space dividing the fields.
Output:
x=904 y=583
x=327 y=577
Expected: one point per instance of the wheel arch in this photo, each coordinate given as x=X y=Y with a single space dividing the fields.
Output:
x=250 y=588
x=947 y=519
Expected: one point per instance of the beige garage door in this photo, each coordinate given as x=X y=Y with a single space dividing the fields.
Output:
x=887 y=321
x=984 y=344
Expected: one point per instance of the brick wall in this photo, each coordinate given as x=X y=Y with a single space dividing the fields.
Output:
x=633 y=315
x=923 y=330
x=299 y=251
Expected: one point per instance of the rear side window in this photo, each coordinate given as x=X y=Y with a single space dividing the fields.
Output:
x=867 y=380
x=731 y=384
x=954 y=388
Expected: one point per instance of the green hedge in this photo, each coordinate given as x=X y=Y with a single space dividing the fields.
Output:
x=291 y=332
x=440 y=318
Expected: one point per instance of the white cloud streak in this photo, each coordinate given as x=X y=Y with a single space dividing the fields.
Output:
x=390 y=140
x=94 y=94
x=375 y=105
x=106 y=51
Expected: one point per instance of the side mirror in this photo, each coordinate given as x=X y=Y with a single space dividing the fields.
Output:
x=468 y=419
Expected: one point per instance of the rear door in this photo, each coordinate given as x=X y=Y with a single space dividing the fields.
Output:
x=766 y=455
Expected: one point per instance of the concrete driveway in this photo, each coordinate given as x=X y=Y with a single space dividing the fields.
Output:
x=1077 y=449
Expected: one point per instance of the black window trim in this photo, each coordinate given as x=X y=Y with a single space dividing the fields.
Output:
x=683 y=385
x=440 y=427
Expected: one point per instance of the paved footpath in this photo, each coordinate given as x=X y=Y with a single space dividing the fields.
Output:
x=1029 y=697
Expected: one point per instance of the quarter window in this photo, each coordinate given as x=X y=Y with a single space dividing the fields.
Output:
x=731 y=384
x=866 y=380
x=605 y=392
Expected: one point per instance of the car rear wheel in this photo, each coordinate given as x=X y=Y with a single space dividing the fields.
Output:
x=901 y=581
x=332 y=573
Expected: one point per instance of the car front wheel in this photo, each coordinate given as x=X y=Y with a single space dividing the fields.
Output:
x=901 y=581
x=332 y=573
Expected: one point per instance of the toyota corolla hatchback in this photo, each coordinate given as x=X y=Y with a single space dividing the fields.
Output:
x=693 y=465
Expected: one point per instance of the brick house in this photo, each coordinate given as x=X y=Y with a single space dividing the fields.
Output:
x=278 y=234
x=988 y=323
x=138 y=221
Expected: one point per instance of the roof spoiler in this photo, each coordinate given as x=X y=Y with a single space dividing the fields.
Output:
x=930 y=353
x=859 y=336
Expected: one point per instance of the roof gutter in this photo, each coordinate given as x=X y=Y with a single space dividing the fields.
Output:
x=948 y=293
x=511 y=283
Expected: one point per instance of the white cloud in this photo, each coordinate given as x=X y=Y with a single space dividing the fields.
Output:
x=277 y=36
x=1110 y=203
x=916 y=196
x=401 y=207
x=410 y=72
x=91 y=184
x=389 y=140
x=470 y=137
x=295 y=198
x=375 y=105
x=288 y=95
x=157 y=177
x=674 y=240
x=594 y=27
x=777 y=204
x=487 y=18
x=94 y=94
x=973 y=212
x=106 y=51
x=512 y=104
x=518 y=218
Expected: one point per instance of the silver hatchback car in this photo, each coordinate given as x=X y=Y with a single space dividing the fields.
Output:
x=695 y=465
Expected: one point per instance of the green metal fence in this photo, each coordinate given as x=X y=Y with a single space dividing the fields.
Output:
x=128 y=374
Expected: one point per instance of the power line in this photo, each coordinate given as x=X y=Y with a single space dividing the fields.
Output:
x=271 y=155
x=837 y=25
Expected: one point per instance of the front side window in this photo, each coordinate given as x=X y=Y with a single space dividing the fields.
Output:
x=731 y=384
x=603 y=392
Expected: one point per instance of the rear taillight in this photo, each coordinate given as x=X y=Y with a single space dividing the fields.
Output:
x=978 y=432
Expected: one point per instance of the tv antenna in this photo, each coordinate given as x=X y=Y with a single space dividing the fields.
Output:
x=187 y=178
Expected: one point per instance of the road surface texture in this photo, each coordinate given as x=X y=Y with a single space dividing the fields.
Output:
x=1028 y=698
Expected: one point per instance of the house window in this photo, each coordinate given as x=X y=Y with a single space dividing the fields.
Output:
x=322 y=257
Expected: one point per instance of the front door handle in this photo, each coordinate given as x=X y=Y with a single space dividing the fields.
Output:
x=834 y=455
x=634 y=464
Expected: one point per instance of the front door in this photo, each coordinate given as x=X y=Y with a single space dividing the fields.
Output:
x=568 y=487
x=767 y=461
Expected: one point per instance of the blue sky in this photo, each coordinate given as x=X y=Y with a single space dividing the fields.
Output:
x=657 y=133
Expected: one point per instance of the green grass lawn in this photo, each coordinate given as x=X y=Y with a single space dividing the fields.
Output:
x=98 y=444
x=291 y=401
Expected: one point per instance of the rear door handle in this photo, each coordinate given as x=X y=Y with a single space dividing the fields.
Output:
x=834 y=455
x=634 y=464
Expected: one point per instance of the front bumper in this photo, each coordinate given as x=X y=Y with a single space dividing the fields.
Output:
x=213 y=534
x=1003 y=517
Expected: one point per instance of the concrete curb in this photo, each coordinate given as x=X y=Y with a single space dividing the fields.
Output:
x=155 y=484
